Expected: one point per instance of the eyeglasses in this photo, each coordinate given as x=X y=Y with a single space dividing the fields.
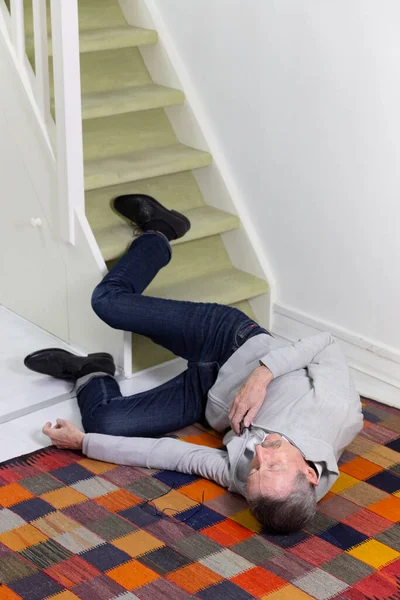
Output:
x=150 y=508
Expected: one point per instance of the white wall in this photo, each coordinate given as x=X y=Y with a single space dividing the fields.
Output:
x=304 y=98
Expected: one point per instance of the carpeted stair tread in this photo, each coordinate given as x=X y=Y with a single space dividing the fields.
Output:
x=143 y=165
x=109 y=38
x=224 y=287
x=178 y=191
x=116 y=235
x=136 y=98
x=146 y=354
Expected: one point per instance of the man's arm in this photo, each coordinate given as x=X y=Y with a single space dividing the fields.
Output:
x=163 y=453
x=298 y=355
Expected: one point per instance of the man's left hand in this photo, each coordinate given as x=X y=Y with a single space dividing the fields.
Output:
x=249 y=398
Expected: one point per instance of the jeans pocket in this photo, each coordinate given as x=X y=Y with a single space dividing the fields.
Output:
x=246 y=330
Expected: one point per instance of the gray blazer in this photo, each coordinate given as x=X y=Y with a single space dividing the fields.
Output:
x=311 y=401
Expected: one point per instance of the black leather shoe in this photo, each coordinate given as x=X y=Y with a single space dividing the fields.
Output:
x=65 y=365
x=150 y=215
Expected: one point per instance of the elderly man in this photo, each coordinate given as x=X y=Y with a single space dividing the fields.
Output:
x=288 y=410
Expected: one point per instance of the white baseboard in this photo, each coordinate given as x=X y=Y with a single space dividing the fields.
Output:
x=375 y=367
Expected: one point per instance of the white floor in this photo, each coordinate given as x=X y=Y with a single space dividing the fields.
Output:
x=28 y=400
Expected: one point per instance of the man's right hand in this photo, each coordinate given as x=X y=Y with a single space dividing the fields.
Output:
x=249 y=398
x=64 y=435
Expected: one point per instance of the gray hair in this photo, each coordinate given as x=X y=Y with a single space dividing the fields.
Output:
x=287 y=515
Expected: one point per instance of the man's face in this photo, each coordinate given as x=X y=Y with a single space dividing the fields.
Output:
x=274 y=468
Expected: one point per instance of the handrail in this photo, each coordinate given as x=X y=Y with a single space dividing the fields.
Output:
x=67 y=94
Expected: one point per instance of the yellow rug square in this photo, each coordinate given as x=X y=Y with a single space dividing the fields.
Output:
x=246 y=519
x=64 y=497
x=174 y=501
x=96 y=466
x=374 y=553
x=67 y=595
x=138 y=543
x=56 y=523
x=385 y=457
x=23 y=537
x=361 y=446
x=343 y=483
x=289 y=592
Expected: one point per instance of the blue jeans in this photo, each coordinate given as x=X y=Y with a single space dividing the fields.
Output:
x=204 y=334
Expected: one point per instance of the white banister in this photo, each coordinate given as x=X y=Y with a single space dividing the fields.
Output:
x=18 y=28
x=67 y=93
x=41 y=57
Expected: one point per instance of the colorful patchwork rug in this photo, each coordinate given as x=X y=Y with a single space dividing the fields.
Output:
x=72 y=528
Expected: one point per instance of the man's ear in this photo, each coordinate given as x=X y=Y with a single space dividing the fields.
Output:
x=311 y=475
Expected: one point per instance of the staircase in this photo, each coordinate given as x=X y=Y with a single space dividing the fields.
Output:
x=129 y=147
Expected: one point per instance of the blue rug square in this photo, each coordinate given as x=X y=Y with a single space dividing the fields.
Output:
x=173 y=478
x=226 y=590
x=386 y=481
x=199 y=519
x=72 y=474
x=32 y=509
x=286 y=541
x=371 y=417
x=343 y=536
x=394 y=445
x=105 y=557
x=36 y=587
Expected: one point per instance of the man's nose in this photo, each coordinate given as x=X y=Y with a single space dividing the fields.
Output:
x=260 y=452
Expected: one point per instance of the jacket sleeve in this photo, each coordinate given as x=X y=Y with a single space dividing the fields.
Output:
x=163 y=453
x=298 y=355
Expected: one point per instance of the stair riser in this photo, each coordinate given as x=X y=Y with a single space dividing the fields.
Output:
x=122 y=134
x=129 y=168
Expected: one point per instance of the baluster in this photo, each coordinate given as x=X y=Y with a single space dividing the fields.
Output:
x=18 y=28
x=41 y=57
x=67 y=93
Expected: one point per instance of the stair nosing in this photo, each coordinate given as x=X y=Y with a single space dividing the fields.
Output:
x=138 y=31
x=176 y=97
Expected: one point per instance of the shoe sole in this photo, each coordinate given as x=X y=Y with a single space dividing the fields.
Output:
x=173 y=212
x=95 y=355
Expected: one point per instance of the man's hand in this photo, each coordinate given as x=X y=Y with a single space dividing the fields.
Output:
x=64 y=435
x=249 y=398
